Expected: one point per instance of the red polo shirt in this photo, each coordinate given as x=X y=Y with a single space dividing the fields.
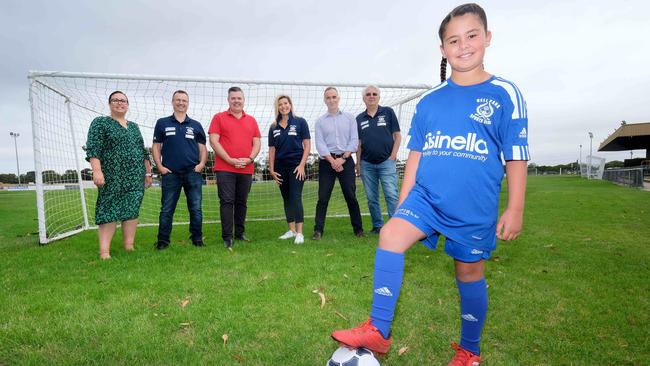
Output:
x=236 y=137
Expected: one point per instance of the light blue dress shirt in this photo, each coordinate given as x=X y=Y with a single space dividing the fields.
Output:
x=336 y=134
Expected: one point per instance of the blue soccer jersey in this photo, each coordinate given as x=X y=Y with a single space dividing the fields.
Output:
x=464 y=133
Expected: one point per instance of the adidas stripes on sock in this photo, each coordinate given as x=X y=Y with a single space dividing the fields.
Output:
x=473 y=308
x=389 y=270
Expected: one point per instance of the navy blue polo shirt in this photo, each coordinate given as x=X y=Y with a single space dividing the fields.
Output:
x=180 y=149
x=376 y=134
x=288 y=141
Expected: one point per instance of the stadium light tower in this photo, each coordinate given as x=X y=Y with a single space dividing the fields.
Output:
x=591 y=138
x=15 y=136
x=580 y=156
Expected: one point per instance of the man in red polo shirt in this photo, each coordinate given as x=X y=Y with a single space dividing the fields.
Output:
x=235 y=139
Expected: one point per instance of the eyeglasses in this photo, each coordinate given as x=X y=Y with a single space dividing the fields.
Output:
x=372 y=94
x=119 y=101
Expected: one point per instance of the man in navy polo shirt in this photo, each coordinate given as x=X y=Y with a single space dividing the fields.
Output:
x=379 y=139
x=180 y=155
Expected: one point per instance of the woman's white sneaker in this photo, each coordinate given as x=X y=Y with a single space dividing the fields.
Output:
x=299 y=239
x=288 y=235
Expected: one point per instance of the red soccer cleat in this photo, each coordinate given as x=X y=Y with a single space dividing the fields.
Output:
x=463 y=357
x=366 y=335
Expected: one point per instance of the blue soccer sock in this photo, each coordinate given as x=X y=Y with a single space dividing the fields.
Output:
x=473 y=308
x=389 y=269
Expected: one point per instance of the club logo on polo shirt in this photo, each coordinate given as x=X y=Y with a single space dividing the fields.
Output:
x=292 y=131
x=170 y=131
x=484 y=110
x=381 y=121
x=189 y=133
x=276 y=132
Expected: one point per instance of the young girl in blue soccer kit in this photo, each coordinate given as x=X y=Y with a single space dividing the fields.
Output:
x=460 y=132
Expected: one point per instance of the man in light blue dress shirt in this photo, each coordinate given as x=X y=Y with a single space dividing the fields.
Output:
x=336 y=141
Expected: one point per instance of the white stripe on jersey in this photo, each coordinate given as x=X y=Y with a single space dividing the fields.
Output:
x=519 y=110
x=443 y=84
x=520 y=152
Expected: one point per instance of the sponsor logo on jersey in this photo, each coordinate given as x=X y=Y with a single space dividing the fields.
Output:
x=484 y=110
x=170 y=128
x=383 y=291
x=469 y=317
x=276 y=132
x=469 y=143
x=476 y=251
x=523 y=134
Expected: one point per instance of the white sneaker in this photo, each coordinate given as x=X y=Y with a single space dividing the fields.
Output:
x=299 y=239
x=288 y=235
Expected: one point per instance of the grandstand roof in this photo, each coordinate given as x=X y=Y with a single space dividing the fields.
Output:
x=630 y=136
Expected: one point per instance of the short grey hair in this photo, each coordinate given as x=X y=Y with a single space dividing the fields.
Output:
x=363 y=93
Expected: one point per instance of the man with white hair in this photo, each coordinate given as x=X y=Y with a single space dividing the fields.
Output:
x=379 y=140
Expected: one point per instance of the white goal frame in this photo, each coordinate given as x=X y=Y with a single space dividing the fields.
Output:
x=63 y=104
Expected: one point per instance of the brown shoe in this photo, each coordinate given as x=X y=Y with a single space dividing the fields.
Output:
x=360 y=234
x=317 y=235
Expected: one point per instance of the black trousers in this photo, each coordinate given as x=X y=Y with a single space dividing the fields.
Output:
x=233 y=189
x=347 y=179
x=291 y=190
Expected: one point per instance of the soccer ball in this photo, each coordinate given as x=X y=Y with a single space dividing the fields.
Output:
x=352 y=357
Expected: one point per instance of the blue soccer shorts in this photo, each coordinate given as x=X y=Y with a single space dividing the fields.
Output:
x=417 y=210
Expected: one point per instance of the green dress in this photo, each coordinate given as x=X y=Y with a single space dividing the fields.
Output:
x=122 y=154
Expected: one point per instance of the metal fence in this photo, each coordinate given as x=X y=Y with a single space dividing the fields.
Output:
x=631 y=177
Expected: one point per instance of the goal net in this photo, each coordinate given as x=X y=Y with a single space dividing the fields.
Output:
x=63 y=104
x=593 y=167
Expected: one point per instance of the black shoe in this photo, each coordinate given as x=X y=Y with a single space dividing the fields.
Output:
x=317 y=235
x=160 y=245
x=228 y=243
x=243 y=237
x=198 y=243
x=375 y=230
x=360 y=234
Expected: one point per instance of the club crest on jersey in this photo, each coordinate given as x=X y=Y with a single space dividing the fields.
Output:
x=484 y=110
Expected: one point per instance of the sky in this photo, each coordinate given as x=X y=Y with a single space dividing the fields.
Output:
x=581 y=65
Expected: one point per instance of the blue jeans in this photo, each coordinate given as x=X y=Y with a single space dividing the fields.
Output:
x=192 y=184
x=372 y=175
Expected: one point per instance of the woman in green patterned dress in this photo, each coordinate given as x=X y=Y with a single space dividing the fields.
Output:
x=121 y=172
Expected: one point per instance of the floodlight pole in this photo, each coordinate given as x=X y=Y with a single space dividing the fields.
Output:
x=15 y=136
x=591 y=138
x=580 y=156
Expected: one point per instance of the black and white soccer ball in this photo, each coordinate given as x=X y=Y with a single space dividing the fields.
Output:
x=352 y=357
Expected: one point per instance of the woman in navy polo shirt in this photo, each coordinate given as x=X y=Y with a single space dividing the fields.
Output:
x=289 y=145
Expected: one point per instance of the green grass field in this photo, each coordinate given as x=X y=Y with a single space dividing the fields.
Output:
x=573 y=290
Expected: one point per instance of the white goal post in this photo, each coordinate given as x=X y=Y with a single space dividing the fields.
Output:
x=64 y=103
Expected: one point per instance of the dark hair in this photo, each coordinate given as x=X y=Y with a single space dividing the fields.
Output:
x=469 y=8
x=117 y=92
x=180 y=91
x=234 y=89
